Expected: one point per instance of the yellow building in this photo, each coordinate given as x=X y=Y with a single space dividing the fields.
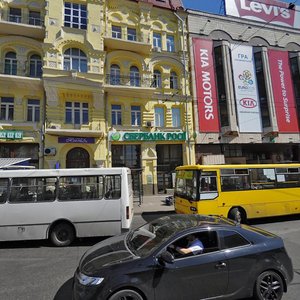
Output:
x=115 y=83
x=21 y=88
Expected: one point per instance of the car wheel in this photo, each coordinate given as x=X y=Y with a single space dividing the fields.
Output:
x=269 y=285
x=126 y=294
x=62 y=234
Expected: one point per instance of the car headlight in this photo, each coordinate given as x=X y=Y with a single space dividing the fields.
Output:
x=88 y=280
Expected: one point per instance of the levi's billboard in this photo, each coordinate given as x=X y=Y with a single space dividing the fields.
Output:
x=267 y=11
x=206 y=86
x=284 y=98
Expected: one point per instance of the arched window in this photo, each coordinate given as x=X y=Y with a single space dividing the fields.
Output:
x=10 y=64
x=156 y=79
x=115 y=75
x=35 y=66
x=134 y=76
x=75 y=59
x=78 y=158
x=173 y=80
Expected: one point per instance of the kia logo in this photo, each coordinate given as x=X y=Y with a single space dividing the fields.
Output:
x=248 y=103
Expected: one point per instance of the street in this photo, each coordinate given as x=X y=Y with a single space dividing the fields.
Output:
x=36 y=270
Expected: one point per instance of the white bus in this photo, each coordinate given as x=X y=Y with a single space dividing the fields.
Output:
x=64 y=204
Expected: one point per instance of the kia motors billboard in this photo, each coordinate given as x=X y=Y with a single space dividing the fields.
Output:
x=206 y=86
x=267 y=11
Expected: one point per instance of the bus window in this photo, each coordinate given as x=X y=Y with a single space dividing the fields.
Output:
x=112 y=187
x=186 y=184
x=262 y=179
x=3 y=189
x=235 y=180
x=80 y=187
x=288 y=177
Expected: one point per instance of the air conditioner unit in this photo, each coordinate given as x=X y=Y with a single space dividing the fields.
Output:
x=51 y=151
x=156 y=49
x=149 y=124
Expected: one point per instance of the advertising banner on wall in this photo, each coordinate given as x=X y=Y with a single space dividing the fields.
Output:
x=206 y=86
x=283 y=91
x=267 y=11
x=246 y=92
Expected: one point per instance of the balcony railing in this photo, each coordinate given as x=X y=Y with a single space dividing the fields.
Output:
x=129 y=81
x=24 y=19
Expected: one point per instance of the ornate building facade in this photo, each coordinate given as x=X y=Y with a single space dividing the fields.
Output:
x=114 y=88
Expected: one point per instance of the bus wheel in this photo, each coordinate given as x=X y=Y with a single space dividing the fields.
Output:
x=237 y=214
x=62 y=234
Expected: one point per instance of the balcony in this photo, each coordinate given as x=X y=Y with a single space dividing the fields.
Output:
x=127 y=84
x=138 y=44
x=24 y=25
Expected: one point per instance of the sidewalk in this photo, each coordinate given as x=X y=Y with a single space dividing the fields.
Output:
x=153 y=204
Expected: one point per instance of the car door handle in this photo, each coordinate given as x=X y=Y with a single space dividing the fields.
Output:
x=220 y=265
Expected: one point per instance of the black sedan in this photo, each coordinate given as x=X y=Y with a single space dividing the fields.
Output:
x=237 y=261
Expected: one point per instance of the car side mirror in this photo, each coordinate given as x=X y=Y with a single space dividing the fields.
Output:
x=166 y=257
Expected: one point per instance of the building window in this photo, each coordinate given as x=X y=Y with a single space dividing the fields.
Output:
x=77 y=113
x=134 y=76
x=35 y=18
x=262 y=92
x=159 y=117
x=296 y=82
x=116 y=115
x=15 y=15
x=156 y=79
x=7 y=109
x=115 y=75
x=173 y=81
x=176 y=120
x=116 y=32
x=33 y=110
x=75 y=59
x=220 y=78
x=75 y=15
x=131 y=34
x=156 y=39
x=35 y=66
x=135 y=115
x=170 y=43
x=10 y=66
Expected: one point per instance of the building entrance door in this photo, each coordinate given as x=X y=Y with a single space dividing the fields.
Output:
x=78 y=158
x=168 y=158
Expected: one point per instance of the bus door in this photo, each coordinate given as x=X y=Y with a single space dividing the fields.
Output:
x=208 y=185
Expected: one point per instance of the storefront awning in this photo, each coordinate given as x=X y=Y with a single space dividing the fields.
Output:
x=12 y=163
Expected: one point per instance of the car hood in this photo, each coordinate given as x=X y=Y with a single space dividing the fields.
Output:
x=106 y=253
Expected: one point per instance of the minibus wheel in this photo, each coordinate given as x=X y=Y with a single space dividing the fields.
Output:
x=62 y=234
x=237 y=214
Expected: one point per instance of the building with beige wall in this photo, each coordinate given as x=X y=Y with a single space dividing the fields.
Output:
x=262 y=128
x=114 y=89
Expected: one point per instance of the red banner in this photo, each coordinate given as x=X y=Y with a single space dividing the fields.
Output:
x=283 y=91
x=206 y=86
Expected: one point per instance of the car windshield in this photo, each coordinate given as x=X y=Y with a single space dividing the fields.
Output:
x=145 y=239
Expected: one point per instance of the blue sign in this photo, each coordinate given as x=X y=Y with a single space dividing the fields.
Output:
x=76 y=140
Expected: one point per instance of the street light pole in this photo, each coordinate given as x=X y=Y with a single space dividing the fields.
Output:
x=185 y=90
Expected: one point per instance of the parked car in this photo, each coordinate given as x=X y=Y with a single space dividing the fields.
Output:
x=237 y=261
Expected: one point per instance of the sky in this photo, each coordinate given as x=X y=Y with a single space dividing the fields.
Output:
x=217 y=6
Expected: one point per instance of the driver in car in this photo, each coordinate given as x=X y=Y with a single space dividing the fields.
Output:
x=194 y=246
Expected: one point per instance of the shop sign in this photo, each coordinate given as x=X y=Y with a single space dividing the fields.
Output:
x=139 y=136
x=11 y=134
x=76 y=140
x=271 y=11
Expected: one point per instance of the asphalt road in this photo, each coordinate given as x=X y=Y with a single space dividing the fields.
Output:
x=36 y=270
